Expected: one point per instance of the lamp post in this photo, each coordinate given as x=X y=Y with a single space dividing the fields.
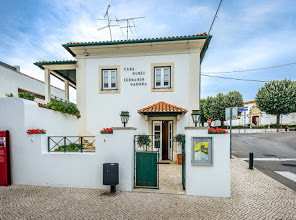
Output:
x=195 y=117
x=124 y=117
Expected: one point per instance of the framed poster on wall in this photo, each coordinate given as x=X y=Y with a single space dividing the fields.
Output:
x=202 y=151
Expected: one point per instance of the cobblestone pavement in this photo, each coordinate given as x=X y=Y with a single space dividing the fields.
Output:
x=254 y=196
x=170 y=180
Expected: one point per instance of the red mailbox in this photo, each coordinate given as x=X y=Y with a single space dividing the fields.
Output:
x=5 y=176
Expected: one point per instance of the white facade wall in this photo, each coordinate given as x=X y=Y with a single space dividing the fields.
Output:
x=209 y=180
x=11 y=80
x=102 y=110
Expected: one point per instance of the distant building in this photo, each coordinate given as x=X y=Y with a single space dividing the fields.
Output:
x=253 y=116
x=13 y=81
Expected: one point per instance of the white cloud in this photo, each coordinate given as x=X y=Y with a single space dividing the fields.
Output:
x=246 y=34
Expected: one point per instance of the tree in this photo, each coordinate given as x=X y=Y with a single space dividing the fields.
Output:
x=219 y=107
x=201 y=104
x=207 y=108
x=277 y=97
x=234 y=99
x=214 y=107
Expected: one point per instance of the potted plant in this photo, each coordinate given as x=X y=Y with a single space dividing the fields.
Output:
x=217 y=131
x=178 y=139
x=143 y=140
x=106 y=131
x=36 y=131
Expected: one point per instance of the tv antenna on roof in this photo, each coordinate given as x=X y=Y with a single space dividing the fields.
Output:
x=129 y=23
x=109 y=21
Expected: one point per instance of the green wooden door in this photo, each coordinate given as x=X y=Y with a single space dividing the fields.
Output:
x=146 y=169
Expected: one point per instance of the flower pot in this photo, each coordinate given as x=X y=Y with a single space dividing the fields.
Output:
x=179 y=156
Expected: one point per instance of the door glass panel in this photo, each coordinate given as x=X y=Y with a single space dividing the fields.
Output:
x=157 y=126
x=170 y=141
x=157 y=139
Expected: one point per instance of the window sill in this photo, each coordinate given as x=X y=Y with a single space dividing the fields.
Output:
x=162 y=89
x=103 y=91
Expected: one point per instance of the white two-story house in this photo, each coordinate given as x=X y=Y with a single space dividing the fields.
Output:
x=157 y=81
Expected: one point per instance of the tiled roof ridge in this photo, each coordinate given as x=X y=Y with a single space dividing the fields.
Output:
x=249 y=102
x=8 y=66
x=156 y=38
x=162 y=107
x=56 y=61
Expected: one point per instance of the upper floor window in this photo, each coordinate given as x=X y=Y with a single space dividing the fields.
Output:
x=162 y=77
x=109 y=79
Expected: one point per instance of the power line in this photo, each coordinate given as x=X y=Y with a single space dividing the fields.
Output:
x=248 y=70
x=215 y=17
x=205 y=43
x=250 y=80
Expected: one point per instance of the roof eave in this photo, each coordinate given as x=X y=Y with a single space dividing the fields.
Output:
x=41 y=64
x=67 y=46
x=155 y=114
x=203 y=53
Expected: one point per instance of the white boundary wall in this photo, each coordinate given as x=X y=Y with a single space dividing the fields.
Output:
x=32 y=164
x=209 y=180
x=117 y=148
x=251 y=131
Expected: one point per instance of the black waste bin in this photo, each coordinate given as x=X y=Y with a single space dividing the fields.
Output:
x=111 y=175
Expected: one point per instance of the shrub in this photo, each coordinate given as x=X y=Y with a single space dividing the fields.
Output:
x=27 y=95
x=143 y=140
x=178 y=138
x=9 y=95
x=62 y=106
x=69 y=147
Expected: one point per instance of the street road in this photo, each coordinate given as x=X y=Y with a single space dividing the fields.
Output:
x=274 y=154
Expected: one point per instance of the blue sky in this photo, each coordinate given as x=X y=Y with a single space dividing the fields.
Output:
x=247 y=34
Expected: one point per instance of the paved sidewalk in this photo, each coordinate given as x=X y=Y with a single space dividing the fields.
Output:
x=254 y=196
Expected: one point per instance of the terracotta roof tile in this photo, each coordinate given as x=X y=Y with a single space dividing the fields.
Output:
x=249 y=102
x=162 y=107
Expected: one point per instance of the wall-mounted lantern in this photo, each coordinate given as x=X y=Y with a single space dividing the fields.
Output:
x=124 y=117
x=195 y=117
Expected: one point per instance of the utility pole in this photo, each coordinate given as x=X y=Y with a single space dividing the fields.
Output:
x=230 y=132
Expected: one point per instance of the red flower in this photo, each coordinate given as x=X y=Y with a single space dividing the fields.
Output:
x=217 y=130
x=107 y=131
x=36 y=131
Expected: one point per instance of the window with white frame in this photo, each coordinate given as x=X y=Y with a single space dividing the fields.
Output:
x=109 y=79
x=162 y=77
